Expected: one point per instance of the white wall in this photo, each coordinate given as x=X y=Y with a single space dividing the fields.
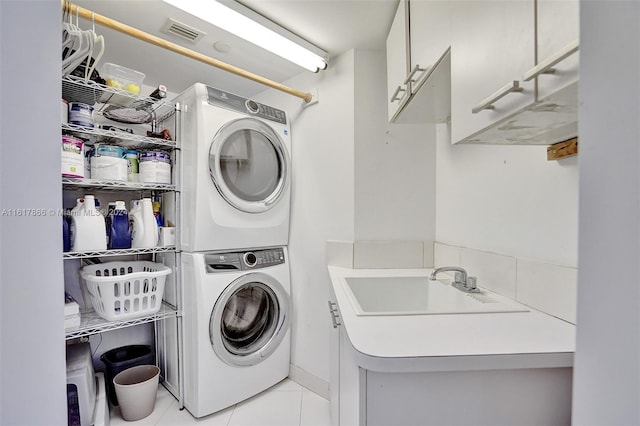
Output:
x=607 y=361
x=32 y=357
x=394 y=164
x=322 y=199
x=507 y=200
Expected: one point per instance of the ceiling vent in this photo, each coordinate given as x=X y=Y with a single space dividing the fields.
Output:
x=183 y=31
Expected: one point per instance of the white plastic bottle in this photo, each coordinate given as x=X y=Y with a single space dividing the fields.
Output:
x=144 y=227
x=135 y=221
x=87 y=226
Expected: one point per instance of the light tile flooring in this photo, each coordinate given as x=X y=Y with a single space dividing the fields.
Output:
x=285 y=404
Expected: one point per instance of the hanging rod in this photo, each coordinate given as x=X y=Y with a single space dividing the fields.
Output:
x=141 y=35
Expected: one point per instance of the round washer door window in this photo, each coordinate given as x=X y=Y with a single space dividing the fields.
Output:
x=249 y=319
x=249 y=165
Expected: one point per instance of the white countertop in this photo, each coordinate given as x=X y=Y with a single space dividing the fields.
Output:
x=451 y=342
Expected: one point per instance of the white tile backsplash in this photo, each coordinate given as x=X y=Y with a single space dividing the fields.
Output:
x=494 y=271
x=543 y=286
x=340 y=253
x=388 y=254
x=549 y=288
x=446 y=255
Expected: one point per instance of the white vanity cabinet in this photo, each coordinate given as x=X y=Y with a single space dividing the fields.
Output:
x=398 y=60
x=345 y=386
x=493 y=45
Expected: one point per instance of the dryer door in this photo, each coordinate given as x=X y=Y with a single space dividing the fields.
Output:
x=249 y=319
x=249 y=165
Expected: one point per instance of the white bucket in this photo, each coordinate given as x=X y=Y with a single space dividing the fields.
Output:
x=108 y=168
x=136 y=389
x=155 y=167
x=72 y=157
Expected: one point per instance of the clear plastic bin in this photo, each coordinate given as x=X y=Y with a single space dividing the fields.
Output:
x=122 y=78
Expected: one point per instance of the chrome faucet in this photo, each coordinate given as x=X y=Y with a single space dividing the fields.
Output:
x=461 y=280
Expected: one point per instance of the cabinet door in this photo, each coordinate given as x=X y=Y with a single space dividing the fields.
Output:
x=398 y=59
x=492 y=47
x=558 y=29
x=429 y=35
x=334 y=364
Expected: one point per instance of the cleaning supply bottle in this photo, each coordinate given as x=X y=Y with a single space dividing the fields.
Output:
x=135 y=224
x=87 y=229
x=150 y=224
x=120 y=235
x=66 y=237
x=144 y=228
x=156 y=213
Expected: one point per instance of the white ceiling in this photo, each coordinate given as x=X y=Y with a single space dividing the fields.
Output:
x=335 y=26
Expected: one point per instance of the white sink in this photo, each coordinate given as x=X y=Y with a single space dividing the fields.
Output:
x=420 y=296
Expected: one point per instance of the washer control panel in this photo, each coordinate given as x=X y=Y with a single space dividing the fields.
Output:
x=243 y=260
x=228 y=100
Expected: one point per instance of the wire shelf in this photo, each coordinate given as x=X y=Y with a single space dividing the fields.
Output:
x=120 y=185
x=116 y=252
x=91 y=323
x=76 y=89
x=127 y=140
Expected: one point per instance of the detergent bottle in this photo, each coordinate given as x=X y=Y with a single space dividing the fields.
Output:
x=87 y=228
x=144 y=228
x=119 y=233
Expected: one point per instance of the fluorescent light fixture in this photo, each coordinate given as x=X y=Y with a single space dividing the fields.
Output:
x=247 y=24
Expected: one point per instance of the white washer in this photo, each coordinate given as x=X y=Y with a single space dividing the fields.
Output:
x=236 y=318
x=235 y=172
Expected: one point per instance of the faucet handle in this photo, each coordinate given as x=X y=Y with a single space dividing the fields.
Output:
x=471 y=283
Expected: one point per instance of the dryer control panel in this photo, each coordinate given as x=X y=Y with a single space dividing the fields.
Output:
x=243 y=260
x=228 y=100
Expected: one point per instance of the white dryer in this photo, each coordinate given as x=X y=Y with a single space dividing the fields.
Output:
x=236 y=321
x=235 y=172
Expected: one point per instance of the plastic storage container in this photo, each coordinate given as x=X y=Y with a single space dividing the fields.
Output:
x=123 y=78
x=125 y=290
x=119 y=359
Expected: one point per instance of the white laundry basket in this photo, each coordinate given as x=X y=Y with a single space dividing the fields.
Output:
x=125 y=290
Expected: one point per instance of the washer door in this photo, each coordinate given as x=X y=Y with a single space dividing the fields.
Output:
x=249 y=319
x=249 y=165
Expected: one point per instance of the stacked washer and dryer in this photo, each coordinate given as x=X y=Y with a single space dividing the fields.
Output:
x=234 y=218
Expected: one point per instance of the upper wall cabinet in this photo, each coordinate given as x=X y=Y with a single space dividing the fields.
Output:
x=513 y=82
x=557 y=36
x=398 y=59
x=493 y=46
x=426 y=78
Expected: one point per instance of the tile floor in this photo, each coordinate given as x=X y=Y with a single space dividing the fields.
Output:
x=285 y=404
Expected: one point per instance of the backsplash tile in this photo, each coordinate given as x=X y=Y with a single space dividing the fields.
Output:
x=543 y=286
x=339 y=253
x=446 y=255
x=495 y=272
x=549 y=288
x=388 y=254
x=428 y=257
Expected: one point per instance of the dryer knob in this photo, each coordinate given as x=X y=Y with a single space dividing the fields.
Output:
x=253 y=106
x=250 y=259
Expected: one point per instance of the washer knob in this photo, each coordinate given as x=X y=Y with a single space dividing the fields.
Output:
x=250 y=259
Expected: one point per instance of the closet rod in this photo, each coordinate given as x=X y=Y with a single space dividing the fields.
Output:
x=134 y=32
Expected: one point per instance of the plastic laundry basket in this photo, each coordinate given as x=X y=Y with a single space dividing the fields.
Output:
x=125 y=290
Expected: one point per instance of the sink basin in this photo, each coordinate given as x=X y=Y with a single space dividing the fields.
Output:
x=420 y=296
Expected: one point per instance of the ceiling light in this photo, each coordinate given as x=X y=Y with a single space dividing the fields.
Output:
x=247 y=24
